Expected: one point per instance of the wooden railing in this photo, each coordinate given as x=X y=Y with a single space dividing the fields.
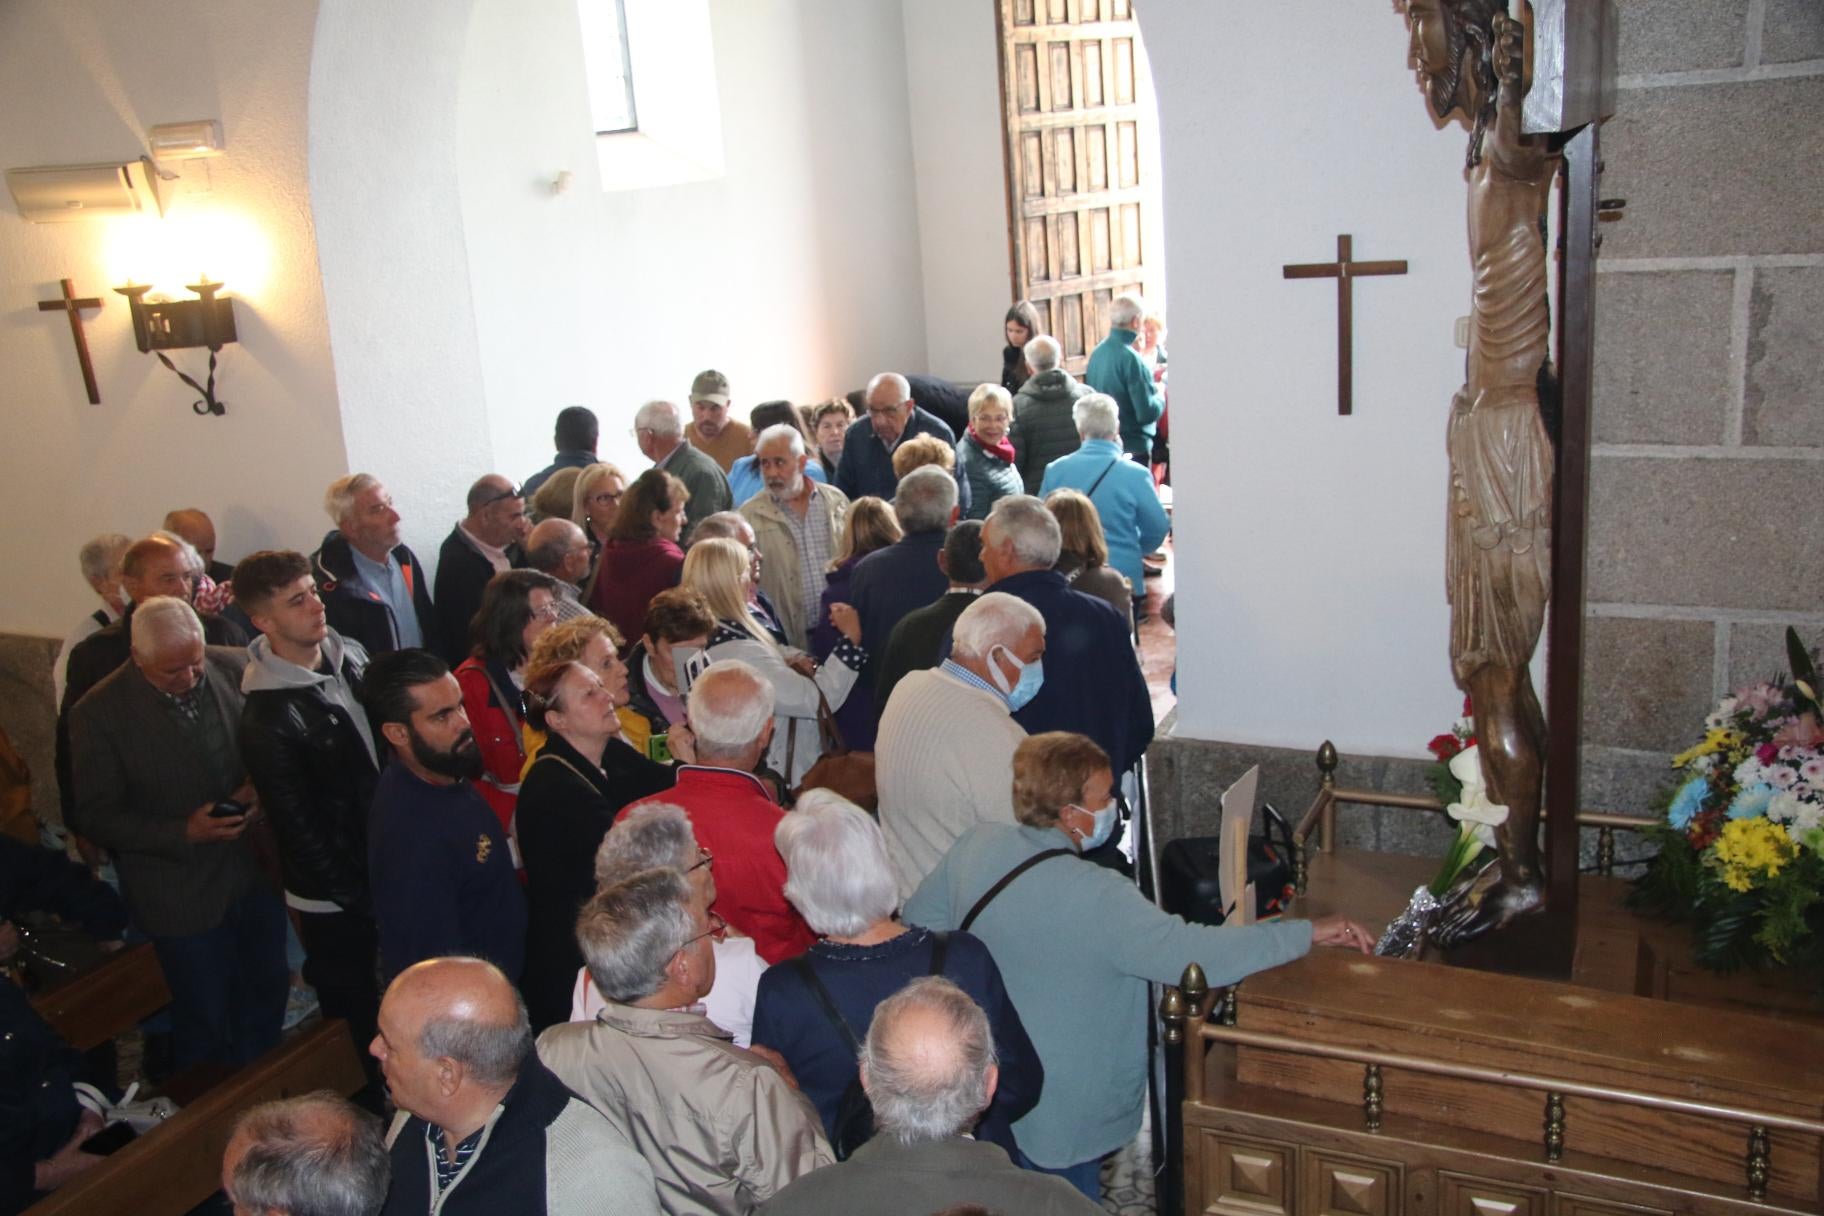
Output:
x=1190 y=1030
x=1321 y=817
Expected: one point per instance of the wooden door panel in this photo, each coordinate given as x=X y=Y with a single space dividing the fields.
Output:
x=1077 y=211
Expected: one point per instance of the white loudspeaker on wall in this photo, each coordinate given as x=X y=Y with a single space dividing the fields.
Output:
x=54 y=193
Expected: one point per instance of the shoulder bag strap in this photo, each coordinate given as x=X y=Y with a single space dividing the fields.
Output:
x=939 y=951
x=1094 y=485
x=1009 y=876
x=580 y=775
x=802 y=965
x=509 y=705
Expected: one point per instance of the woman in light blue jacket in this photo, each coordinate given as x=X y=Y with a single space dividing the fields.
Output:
x=1133 y=522
x=1077 y=944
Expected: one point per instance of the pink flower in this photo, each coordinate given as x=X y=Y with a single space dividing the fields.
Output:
x=1782 y=777
x=1813 y=770
x=1766 y=753
x=1802 y=731
x=1758 y=699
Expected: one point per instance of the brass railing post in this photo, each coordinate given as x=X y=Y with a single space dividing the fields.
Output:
x=1554 y=1125
x=1227 y=1017
x=1326 y=766
x=1371 y=1098
x=1605 y=850
x=1760 y=1162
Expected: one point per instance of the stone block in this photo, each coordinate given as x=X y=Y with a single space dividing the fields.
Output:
x=1730 y=533
x=1662 y=357
x=1680 y=35
x=1784 y=402
x=1646 y=683
x=1717 y=169
x=1792 y=30
x=28 y=715
x=1624 y=782
x=1758 y=652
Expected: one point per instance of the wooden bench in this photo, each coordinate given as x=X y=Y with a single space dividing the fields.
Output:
x=178 y=1164
x=108 y=1000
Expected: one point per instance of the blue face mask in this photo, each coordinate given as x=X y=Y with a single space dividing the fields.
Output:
x=1032 y=675
x=1105 y=827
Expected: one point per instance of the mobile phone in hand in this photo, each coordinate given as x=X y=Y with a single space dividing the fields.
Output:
x=227 y=808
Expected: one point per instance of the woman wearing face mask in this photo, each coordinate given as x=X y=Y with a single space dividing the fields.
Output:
x=1077 y=944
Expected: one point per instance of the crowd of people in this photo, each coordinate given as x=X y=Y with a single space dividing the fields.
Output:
x=554 y=831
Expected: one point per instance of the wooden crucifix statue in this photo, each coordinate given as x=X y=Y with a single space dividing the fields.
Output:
x=1499 y=524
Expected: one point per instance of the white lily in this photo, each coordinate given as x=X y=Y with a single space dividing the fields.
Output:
x=1474 y=811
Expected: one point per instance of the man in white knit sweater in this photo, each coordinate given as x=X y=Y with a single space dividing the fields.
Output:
x=944 y=756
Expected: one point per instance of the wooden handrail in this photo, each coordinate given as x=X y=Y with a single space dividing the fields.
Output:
x=1217 y=1033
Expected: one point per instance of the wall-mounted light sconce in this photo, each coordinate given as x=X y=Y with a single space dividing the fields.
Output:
x=162 y=325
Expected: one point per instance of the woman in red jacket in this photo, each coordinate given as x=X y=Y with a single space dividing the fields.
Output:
x=641 y=556
x=517 y=606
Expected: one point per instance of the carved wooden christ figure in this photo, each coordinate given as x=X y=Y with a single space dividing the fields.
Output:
x=1498 y=559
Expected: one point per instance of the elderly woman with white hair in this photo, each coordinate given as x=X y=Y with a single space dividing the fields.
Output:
x=1133 y=522
x=659 y=835
x=984 y=455
x=815 y=1009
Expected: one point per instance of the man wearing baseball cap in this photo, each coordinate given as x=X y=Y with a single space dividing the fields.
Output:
x=712 y=432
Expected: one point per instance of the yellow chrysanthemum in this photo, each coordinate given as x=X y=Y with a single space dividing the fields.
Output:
x=1716 y=739
x=1749 y=849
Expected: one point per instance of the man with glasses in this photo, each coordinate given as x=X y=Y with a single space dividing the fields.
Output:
x=660 y=434
x=722 y=1131
x=866 y=466
x=485 y=542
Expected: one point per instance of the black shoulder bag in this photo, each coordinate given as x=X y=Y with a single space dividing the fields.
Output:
x=854 y=1113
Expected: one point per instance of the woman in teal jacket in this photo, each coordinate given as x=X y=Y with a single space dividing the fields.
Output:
x=1077 y=944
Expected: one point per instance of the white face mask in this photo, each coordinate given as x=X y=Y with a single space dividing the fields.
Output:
x=1105 y=826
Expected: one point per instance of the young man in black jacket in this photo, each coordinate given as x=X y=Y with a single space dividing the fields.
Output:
x=307 y=745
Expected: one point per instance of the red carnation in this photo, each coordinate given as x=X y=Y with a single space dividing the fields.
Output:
x=1444 y=747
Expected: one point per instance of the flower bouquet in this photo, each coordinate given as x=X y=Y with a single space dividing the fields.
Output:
x=1457 y=780
x=1741 y=849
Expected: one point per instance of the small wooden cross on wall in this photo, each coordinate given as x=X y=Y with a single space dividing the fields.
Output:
x=74 y=306
x=1343 y=270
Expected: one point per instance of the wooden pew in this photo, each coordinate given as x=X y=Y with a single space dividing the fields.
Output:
x=178 y=1164
x=106 y=1001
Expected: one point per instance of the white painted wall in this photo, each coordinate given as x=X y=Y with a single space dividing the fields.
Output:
x=1310 y=575
x=959 y=163
x=80 y=83
x=390 y=238
x=796 y=273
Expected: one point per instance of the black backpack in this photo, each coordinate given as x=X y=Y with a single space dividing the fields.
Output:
x=854 y=1113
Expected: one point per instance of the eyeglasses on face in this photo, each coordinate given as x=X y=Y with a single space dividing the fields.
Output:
x=718 y=931
x=703 y=859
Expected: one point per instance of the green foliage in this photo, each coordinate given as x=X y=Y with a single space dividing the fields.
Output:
x=1444 y=787
x=1670 y=886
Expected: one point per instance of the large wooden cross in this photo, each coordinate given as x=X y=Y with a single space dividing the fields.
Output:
x=74 y=306
x=1343 y=270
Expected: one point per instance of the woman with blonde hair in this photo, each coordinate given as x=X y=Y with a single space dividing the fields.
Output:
x=1083 y=557
x=718 y=569
x=870 y=526
x=984 y=455
x=597 y=496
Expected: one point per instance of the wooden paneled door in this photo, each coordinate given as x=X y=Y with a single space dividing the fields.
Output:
x=1082 y=227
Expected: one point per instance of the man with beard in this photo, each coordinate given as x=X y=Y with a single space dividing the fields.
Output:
x=441 y=875
x=796 y=524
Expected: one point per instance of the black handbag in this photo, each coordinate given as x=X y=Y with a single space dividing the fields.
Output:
x=1190 y=870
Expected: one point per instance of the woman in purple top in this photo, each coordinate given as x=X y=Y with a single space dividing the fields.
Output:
x=641 y=556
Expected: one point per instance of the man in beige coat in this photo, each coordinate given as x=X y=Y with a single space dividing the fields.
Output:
x=722 y=1131
x=797 y=525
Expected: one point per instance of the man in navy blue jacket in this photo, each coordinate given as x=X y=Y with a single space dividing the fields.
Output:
x=890 y=582
x=1093 y=682
x=866 y=466
x=442 y=878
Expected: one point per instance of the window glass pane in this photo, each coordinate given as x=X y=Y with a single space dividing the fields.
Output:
x=608 y=65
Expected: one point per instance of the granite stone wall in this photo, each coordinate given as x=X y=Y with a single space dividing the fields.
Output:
x=28 y=715
x=1707 y=479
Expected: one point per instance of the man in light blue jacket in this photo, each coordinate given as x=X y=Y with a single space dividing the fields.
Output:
x=1133 y=522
